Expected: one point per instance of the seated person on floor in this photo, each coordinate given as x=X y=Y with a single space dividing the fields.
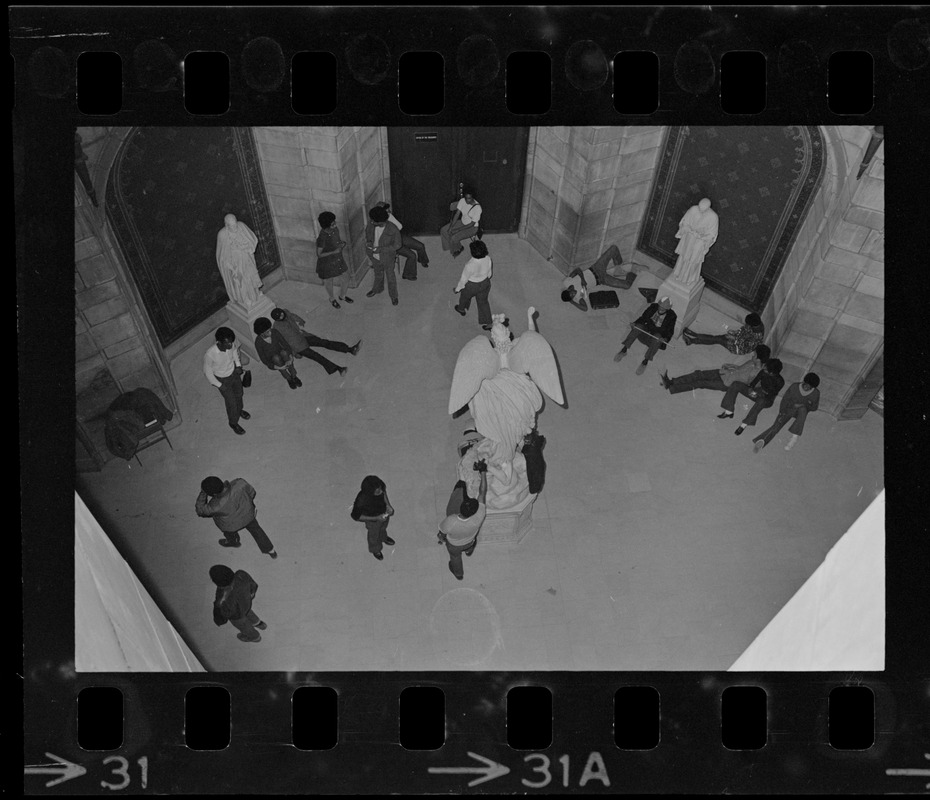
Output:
x=274 y=351
x=580 y=281
x=762 y=390
x=800 y=399
x=300 y=342
x=654 y=328
x=739 y=342
x=719 y=379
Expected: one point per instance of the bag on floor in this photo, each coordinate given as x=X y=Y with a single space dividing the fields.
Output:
x=604 y=299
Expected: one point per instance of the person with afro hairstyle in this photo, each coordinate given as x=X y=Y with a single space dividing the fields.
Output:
x=739 y=342
x=231 y=504
x=274 y=351
x=382 y=241
x=222 y=367
x=290 y=326
x=233 y=602
x=763 y=389
x=799 y=401
x=476 y=282
x=330 y=265
x=372 y=507
x=459 y=530
x=579 y=282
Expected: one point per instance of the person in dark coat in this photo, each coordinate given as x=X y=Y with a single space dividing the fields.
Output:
x=290 y=326
x=233 y=602
x=232 y=506
x=533 y=444
x=762 y=390
x=374 y=509
x=800 y=400
x=274 y=351
x=654 y=328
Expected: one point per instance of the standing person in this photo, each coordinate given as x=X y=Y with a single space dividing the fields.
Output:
x=579 y=281
x=382 y=241
x=459 y=531
x=290 y=327
x=274 y=352
x=654 y=328
x=223 y=369
x=231 y=505
x=800 y=400
x=464 y=223
x=476 y=282
x=719 y=379
x=330 y=265
x=233 y=602
x=738 y=342
x=374 y=509
x=413 y=250
x=763 y=389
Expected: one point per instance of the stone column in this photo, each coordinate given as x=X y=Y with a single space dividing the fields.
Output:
x=686 y=300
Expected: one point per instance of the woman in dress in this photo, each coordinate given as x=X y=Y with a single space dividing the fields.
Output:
x=374 y=509
x=330 y=264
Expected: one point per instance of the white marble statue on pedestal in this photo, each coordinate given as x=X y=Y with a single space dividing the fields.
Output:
x=235 y=257
x=500 y=381
x=697 y=232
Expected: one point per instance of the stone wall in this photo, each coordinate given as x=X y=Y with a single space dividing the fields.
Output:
x=826 y=313
x=310 y=170
x=587 y=188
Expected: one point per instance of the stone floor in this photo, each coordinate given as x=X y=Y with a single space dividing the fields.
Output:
x=660 y=542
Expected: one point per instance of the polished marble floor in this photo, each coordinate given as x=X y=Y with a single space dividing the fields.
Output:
x=660 y=541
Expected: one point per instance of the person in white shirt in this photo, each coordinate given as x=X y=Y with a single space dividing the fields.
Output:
x=476 y=282
x=459 y=530
x=413 y=250
x=464 y=223
x=579 y=282
x=223 y=369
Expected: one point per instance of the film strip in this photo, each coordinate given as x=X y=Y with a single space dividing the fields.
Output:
x=529 y=729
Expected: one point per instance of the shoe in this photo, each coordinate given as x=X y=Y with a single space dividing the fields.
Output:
x=642 y=368
x=459 y=310
x=425 y=264
x=343 y=371
x=725 y=415
x=388 y=540
x=791 y=442
x=245 y=415
x=469 y=552
x=238 y=429
x=335 y=303
x=620 y=356
x=371 y=294
x=298 y=381
x=347 y=299
x=485 y=327
x=292 y=384
x=666 y=382
x=456 y=576
x=393 y=301
x=227 y=543
x=273 y=554
x=262 y=625
x=407 y=279
x=757 y=447
x=456 y=253
x=356 y=347
x=739 y=430
x=686 y=335
x=242 y=638
x=379 y=556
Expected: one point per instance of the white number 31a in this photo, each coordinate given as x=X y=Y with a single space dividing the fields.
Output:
x=595 y=769
x=123 y=771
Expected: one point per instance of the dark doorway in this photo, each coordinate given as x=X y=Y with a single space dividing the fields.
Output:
x=429 y=164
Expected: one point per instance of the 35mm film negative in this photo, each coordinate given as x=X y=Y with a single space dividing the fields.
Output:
x=130 y=81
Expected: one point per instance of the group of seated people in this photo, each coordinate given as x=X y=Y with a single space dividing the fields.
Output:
x=758 y=379
x=278 y=343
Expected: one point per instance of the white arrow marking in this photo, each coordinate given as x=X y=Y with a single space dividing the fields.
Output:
x=63 y=767
x=489 y=772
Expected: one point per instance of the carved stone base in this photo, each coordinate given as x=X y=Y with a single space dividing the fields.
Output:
x=241 y=319
x=686 y=300
x=508 y=525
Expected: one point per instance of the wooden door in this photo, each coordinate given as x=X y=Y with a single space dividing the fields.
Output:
x=428 y=166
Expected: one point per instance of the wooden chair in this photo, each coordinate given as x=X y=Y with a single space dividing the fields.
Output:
x=155 y=432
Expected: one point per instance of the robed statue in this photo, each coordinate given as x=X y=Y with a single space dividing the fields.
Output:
x=235 y=257
x=697 y=231
x=500 y=380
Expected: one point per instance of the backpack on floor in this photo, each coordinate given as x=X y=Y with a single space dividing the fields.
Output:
x=604 y=299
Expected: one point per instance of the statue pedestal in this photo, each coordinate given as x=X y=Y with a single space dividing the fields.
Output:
x=241 y=319
x=686 y=300
x=508 y=525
